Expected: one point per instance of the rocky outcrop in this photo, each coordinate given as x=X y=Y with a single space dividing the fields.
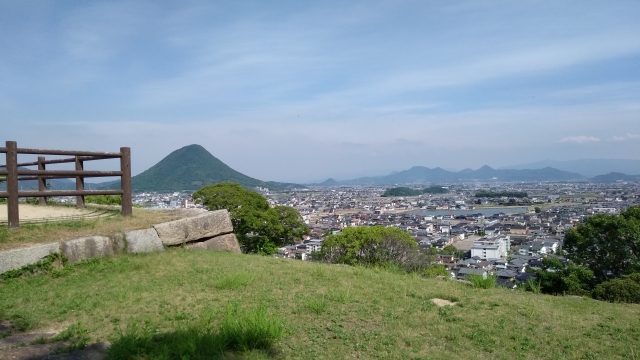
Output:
x=86 y=248
x=204 y=226
x=143 y=241
x=227 y=242
x=19 y=258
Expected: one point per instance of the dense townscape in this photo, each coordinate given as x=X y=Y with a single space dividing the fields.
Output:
x=503 y=236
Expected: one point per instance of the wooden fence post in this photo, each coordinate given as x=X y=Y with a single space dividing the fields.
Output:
x=79 y=183
x=42 y=181
x=12 y=185
x=125 y=181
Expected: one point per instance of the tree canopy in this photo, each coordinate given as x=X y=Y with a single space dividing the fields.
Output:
x=490 y=194
x=258 y=227
x=405 y=191
x=607 y=243
x=376 y=245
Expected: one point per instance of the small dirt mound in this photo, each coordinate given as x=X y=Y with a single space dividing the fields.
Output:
x=442 y=302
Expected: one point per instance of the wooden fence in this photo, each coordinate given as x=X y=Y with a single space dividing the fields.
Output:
x=13 y=175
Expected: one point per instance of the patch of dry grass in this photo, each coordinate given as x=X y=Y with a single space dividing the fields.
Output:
x=31 y=234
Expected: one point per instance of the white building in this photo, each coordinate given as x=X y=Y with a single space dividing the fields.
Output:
x=491 y=248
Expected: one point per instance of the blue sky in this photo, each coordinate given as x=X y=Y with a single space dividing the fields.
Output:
x=300 y=91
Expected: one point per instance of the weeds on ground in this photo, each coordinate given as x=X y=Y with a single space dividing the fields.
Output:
x=242 y=330
x=317 y=305
x=534 y=286
x=233 y=282
x=480 y=282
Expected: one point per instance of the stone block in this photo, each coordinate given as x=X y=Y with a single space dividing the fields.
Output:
x=143 y=241
x=86 y=248
x=206 y=225
x=119 y=244
x=18 y=258
x=227 y=242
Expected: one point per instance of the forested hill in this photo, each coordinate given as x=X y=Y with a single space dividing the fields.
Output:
x=190 y=168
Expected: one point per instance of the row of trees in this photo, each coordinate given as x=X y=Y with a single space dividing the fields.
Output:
x=405 y=191
x=491 y=194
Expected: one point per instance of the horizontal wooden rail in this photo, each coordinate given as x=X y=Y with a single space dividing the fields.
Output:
x=70 y=173
x=64 y=152
x=48 y=177
x=4 y=194
x=62 y=161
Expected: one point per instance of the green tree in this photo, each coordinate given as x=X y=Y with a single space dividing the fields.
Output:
x=259 y=228
x=375 y=245
x=558 y=279
x=625 y=289
x=292 y=226
x=607 y=243
x=537 y=210
x=449 y=250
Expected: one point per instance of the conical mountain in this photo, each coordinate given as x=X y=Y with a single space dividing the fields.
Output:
x=190 y=168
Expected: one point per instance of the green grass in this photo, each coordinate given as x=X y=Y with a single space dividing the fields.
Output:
x=480 y=282
x=253 y=331
x=173 y=304
x=234 y=281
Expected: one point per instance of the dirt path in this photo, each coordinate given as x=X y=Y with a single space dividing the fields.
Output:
x=35 y=212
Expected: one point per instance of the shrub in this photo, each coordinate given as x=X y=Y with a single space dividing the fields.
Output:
x=434 y=270
x=559 y=279
x=624 y=290
x=104 y=199
x=371 y=246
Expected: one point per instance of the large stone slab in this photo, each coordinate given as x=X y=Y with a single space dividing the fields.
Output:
x=143 y=241
x=19 y=258
x=86 y=248
x=119 y=244
x=227 y=242
x=207 y=225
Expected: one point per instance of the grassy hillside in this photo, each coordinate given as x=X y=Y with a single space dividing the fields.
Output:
x=328 y=311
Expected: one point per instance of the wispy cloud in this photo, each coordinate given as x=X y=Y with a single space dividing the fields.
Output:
x=581 y=139
x=625 y=137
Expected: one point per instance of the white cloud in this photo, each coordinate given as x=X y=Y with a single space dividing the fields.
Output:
x=626 y=137
x=579 y=139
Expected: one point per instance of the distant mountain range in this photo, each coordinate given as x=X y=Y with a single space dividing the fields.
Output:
x=55 y=184
x=191 y=168
x=423 y=175
x=587 y=167
x=615 y=176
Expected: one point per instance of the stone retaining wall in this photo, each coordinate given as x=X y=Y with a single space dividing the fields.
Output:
x=210 y=230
